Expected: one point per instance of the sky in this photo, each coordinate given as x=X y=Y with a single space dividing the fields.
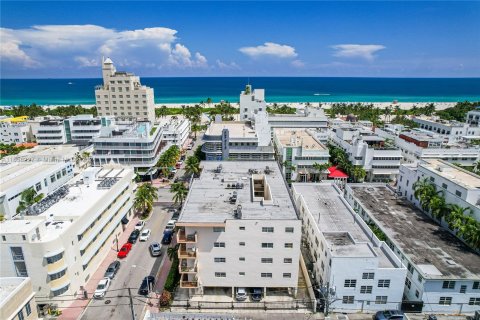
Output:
x=65 y=39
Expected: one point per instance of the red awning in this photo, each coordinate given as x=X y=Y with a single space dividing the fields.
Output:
x=336 y=173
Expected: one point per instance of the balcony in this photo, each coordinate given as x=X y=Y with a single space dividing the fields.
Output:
x=188 y=284
x=182 y=237
x=187 y=253
x=184 y=267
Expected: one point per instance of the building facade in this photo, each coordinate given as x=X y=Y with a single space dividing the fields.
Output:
x=251 y=102
x=15 y=130
x=17 y=300
x=175 y=131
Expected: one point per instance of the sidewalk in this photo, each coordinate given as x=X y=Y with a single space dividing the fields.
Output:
x=75 y=310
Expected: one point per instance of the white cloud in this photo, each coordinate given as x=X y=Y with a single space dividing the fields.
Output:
x=364 y=51
x=82 y=45
x=298 y=63
x=269 y=49
x=227 y=66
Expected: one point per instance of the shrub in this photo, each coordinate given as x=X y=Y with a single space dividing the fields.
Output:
x=165 y=299
x=173 y=277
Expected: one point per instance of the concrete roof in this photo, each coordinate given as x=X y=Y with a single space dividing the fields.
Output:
x=436 y=252
x=235 y=129
x=18 y=172
x=297 y=138
x=208 y=199
x=453 y=173
x=8 y=287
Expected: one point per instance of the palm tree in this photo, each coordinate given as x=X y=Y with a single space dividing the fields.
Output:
x=180 y=192
x=27 y=198
x=470 y=232
x=320 y=168
x=144 y=198
x=438 y=206
x=456 y=216
x=209 y=101
x=358 y=173
x=476 y=167
x=424 y=191
x=192 y=165
x=172 y=252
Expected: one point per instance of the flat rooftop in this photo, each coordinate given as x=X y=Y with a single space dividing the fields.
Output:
x=64 y=151
x=235 y=129
x=451 y=172
x=435 y=251
x=8 y=285
x=17 y=172
x=297 y=138
x=334 y=219
x=209 y=197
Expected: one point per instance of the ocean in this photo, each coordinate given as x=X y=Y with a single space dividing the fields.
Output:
x=277 y=89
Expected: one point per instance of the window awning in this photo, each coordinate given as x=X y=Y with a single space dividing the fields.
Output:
x=336 y=173
x=60 y=286
x=60 y=269
x=53 y=253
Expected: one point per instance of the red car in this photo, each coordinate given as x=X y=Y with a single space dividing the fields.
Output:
x=124 y=250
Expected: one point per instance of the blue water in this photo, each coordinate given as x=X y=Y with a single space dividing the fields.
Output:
x=278 y=89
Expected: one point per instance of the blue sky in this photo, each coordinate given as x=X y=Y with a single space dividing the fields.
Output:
x=345 y=39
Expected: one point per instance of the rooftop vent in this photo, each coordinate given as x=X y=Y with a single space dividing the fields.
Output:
x=268 y=170
x=218 y=169
x=107 y=183
x=253 y=171
x=238 y=212
x=47 y=202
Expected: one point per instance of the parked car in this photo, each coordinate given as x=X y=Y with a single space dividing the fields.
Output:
x=156 y=249
x=241 y=294
x=257 y=294
x=134 y=236
x=182 y=157
x=170 y=225
x=176 y=215
x=102 y=288
x=173 y=170
x=189 y=147
x=124 y=250
x=145 y=235
x=140 y=224
x=167 y=237
x=389 y=315
x=147 y=285
x=112 y=269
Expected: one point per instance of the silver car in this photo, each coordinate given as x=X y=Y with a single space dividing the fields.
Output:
x=156 y=249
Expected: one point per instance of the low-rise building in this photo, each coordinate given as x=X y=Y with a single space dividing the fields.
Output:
x=298 y=150
x=51 y=132
x=175 y=130
x=308 y=118
x=453 y=131
x=443 y=273
x=15 y=130
x=347 y=256
x=60 y=241
x=17 y=299
x=239 y=228
x=473 y=117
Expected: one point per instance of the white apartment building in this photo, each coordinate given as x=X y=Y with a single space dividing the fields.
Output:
x=453 y=131
x=300 y=150
x=237 y=140
x=238 y=228
x=366 y=149
x=17 y=299
x=310 y=117
x=63 y=239
x=251 y=102
x=16 y=177
x=122 y=95
x=473 y=118
x=175 y=130
x=348 y=257
x=51 y=132
x=443 y=274
x=15 y=130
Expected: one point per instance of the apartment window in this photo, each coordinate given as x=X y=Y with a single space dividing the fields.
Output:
x=55 y=258
x=268 y=245
x=60 y=291
x=476 y=285
x=28 y=308
x=432 y=179
x=266 y=275
x=417 y=294
x=241 y=273
x=458 y=193
x=218 y=229
x=408 y=283
x=348 y=299
x=219 y=260
x=219 y=244
x=368 y=275
x=474 y=302
x=267 y=229
x=38 y=186
x=241 y=228
x=410 y=268
x=57 y=275
x=267 y=260
x=381 y=300
x=366 y=289
x=289 y=229
x=20 y=315
x=382 y=283
x=448 y=285
x=289 y=245
x=220 y=274
x=241 y=258
x=287 y=275
x=4 y=238
x=444 y=186
x=463 y=289
x=350 y=283
x=420 y=278
x=446 y=301
x=287 y=260
x=241 y=244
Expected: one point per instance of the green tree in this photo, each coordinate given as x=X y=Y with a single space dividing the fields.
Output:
x=144 y=198
x=27 y=198
x=179 y=192
x=320 y=168
x=358 y=174
x=172 y=252
x=476 y=167
x=192 y=165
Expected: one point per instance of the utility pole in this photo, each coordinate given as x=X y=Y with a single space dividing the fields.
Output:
x=131 y=304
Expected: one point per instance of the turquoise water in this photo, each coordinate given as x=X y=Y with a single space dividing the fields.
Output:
x=277 y=89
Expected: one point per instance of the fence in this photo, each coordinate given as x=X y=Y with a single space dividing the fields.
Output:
x=304 y=305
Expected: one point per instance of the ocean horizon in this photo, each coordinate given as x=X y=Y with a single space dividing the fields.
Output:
x=277 y=89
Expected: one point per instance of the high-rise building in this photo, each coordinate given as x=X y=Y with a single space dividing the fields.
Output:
x=251 y=102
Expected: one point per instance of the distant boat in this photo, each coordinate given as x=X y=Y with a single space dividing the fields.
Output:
x=70 y=83
x=321 y=94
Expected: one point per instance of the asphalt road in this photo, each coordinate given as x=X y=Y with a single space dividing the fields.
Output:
x=138 y=264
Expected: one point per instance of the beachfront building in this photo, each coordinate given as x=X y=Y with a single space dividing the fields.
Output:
x=345 y=254
x=308 y=118
x=238 y=228
x=15 y=130
x=175 y=130
x=60 y=241
x=298 y=150
x=473 y=117
x=251 y=102
x=122 y=95
x=17 y=299
x=443 y=274
x=380 y=160
x=43 y=177
x=237 y=140
x=453 y=131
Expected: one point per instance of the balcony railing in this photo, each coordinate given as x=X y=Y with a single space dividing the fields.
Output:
x=184 y=253
x=182 y=237
x=184 y=268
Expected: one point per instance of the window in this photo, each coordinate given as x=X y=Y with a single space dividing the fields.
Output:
x=420 y=279
x=350 y=283
x=408 y=283
x=20 y=315
x=289 y=229
x=267 y=229
x=28 y=308
x=38 y=186
x=218 y=229
x=448 y=285
x=287 y=275
x=267 y=245
x=476 y=285
x=368 y=275
x=366 y=289
x=55 y=258
x=381 y=300
x=60 y=291
x=266 y=275
x=57 y=275
x=458 y=193
x=287 y=260
x=241 y=228
x=474 y=302
x=267 y=260
x=4 y=238
x=417 y=294
x=219 y=244
x=348 y=299
x=241 y=273
x=289 y=245
x=463 y=289
x=220 y=274
x=446 y=301
x=444 y=186
x=219 y=260
x=382 y=283
x=241 y=244
x=23 y=237
x=241 y=258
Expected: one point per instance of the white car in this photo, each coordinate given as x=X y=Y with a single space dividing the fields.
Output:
x=241 y=294
x=102 y=288
x=145 y=235
x=170 y=225
x=139 y=226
